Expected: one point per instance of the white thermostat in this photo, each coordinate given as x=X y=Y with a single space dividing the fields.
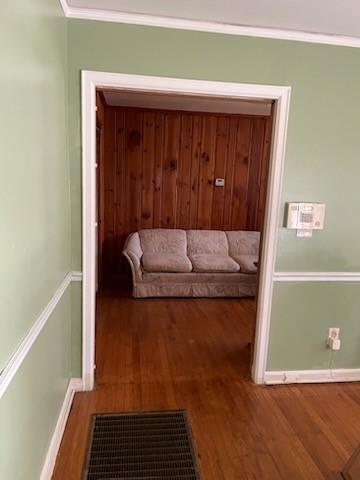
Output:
x=305 y=217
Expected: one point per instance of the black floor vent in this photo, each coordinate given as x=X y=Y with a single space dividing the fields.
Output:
x=141 y=446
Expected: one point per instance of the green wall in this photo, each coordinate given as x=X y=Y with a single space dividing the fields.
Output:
x=302 y=312
x=35 y=227
x=34 y=193
x=31 y=404
x=76 y=329
x=322 y=159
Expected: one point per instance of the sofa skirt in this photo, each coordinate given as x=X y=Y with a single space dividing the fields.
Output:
x=244 y=286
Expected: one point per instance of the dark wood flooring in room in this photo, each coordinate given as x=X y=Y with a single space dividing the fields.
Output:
x=158 y=354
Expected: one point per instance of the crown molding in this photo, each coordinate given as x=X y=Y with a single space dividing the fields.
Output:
x=203 y=26
x=65 y=7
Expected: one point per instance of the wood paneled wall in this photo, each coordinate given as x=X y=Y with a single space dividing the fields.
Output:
x=100 y=178
x=159 y=169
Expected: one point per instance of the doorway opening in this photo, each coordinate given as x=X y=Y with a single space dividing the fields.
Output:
x=193 y=159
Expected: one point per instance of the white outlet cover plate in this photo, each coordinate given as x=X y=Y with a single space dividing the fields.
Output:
x=334 y=332
x=304 y=233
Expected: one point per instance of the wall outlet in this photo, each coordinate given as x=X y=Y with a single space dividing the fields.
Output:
x=334 y=341
x=334 y=332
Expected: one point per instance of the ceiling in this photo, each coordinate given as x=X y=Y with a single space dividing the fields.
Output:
x=334 y=17
x=186 y=103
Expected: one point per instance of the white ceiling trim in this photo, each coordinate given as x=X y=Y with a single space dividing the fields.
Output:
x=213 y=27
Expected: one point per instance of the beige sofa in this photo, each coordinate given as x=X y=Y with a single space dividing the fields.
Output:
x=193 y=263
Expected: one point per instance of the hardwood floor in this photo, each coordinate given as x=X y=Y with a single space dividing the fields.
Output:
x=192 y=354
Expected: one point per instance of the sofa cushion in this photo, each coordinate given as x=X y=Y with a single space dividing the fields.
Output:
x=247 y=263
x=166 y=262
x=163 y=240
x=243 y=243
x=213 y=263
x=207 y=242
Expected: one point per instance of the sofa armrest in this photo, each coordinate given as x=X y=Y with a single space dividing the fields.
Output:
x=133 y=252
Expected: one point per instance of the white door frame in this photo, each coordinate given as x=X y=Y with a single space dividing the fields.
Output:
x=281 y=95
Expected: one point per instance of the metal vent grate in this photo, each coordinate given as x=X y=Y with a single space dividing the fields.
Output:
x=141 y=446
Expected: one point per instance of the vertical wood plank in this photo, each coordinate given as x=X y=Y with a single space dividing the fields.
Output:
x=207 y=171
x=184 y=171
x=241 y=174
x=109 y=198
x=254 y=174
x=195 y=171
x=158 y=169
x=100 y=181
x=133 y=149
x=222 y=143
x=170 y=167
x=120 y=188
x=229 y=173
x=148 y=166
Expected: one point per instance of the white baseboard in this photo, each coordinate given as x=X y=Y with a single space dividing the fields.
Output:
x=75 y=385
x=312 y=376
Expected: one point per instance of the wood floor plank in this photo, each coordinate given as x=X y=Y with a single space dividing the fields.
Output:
x=155 y=354
x=315 y=435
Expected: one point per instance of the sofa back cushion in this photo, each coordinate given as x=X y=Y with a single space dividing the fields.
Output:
x=209 y=242
x=243 y=243
x=163 y=240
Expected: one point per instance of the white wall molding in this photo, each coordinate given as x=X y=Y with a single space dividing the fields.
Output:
x=16 y=360
x=76 y=276
x=75 y=385
x=317 y=277
x=9 y=372
x=207 y=26
x=313 y=376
